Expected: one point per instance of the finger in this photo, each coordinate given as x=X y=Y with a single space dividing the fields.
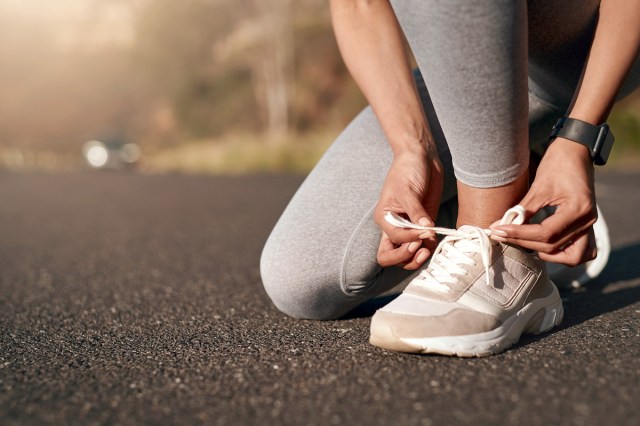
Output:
x=576 y=252
x=416 y=212
x=395 y=234
x=385 y=243
x=541 y=247
x=396 y=256
x=401 y=230
x=533 y=201
x=401 y=235
x=389 y=254
x=429 y=241
x=547 y=236
x=418 y=259
x=531 y=206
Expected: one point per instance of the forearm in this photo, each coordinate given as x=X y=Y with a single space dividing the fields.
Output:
x=372 y=47
x=615 y=46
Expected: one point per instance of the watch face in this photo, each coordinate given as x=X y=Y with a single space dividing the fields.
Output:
x=598 y=139
x=603 y=146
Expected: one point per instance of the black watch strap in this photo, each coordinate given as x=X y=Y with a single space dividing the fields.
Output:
x=599 y=139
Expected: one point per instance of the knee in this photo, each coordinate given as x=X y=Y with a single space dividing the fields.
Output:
x=302 y=291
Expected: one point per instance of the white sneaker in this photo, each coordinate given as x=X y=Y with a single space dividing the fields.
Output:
x=476 y=297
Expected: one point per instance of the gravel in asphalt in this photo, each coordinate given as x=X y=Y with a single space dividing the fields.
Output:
x=131 y=299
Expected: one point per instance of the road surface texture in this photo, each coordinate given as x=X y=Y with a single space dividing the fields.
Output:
x=129 y=299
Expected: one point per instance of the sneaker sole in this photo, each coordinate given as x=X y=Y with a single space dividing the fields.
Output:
x=536 y=317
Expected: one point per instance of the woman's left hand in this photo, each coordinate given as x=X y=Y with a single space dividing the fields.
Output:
x=565 y=180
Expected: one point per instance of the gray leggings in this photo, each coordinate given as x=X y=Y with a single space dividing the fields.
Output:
x=488 y=65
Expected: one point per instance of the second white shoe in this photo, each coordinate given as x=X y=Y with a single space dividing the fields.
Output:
x=567 y=277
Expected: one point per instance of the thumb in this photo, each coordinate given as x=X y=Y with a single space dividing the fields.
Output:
x=532 y=202
x=416 y=212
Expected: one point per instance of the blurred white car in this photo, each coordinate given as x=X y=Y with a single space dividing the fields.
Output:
x=111 y=155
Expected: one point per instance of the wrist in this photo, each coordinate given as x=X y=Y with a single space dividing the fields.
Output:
x=598 y=139
x=414 y=141
x=422 y=147
x=411 y=137
x=573 y=150
x=406 y=149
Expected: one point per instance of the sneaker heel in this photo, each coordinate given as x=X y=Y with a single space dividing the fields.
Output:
x=546 y=319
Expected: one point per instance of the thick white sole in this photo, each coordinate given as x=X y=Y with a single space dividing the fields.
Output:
x=536 y=317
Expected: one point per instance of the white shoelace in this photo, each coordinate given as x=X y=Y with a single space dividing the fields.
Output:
x=455 y=250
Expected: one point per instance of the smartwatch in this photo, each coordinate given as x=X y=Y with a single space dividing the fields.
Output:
x=599 y=139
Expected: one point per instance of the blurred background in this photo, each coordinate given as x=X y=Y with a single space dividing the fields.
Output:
x=197 y=86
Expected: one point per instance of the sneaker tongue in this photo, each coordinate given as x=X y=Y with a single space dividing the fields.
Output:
x=467 y=246
x=471 y=244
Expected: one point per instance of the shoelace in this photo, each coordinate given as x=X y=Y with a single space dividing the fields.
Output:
x=455 y=250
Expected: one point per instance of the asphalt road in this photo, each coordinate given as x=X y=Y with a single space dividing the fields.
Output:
x=128 y=299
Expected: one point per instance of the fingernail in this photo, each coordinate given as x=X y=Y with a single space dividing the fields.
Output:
x=499 y=233
x=422 y=256
x=499 y=239
x=423 y=221
x=414 y=246
x=426 y=235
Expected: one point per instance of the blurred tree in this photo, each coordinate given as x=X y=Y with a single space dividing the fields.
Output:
x=174 y=52
x=161 y=71
x=273 y=66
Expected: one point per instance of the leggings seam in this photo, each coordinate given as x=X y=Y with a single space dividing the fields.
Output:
x=347 y=255
x=492 y=180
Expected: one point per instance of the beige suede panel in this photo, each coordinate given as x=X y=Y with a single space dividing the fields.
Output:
x=522 y=275
x=542 y=288
x=507 y=278
x=539 y=287
x=518 y=254
x=458 y=322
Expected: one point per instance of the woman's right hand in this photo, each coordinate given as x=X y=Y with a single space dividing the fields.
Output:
x=370 y=38
x=413 y=187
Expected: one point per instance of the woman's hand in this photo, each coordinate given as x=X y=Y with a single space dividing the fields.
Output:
x=374 y=50
x=565 y=176
x=413 y=186
x=565 y=180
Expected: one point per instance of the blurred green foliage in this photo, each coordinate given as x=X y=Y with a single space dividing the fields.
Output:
x=625 y=124
x=201 y=85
